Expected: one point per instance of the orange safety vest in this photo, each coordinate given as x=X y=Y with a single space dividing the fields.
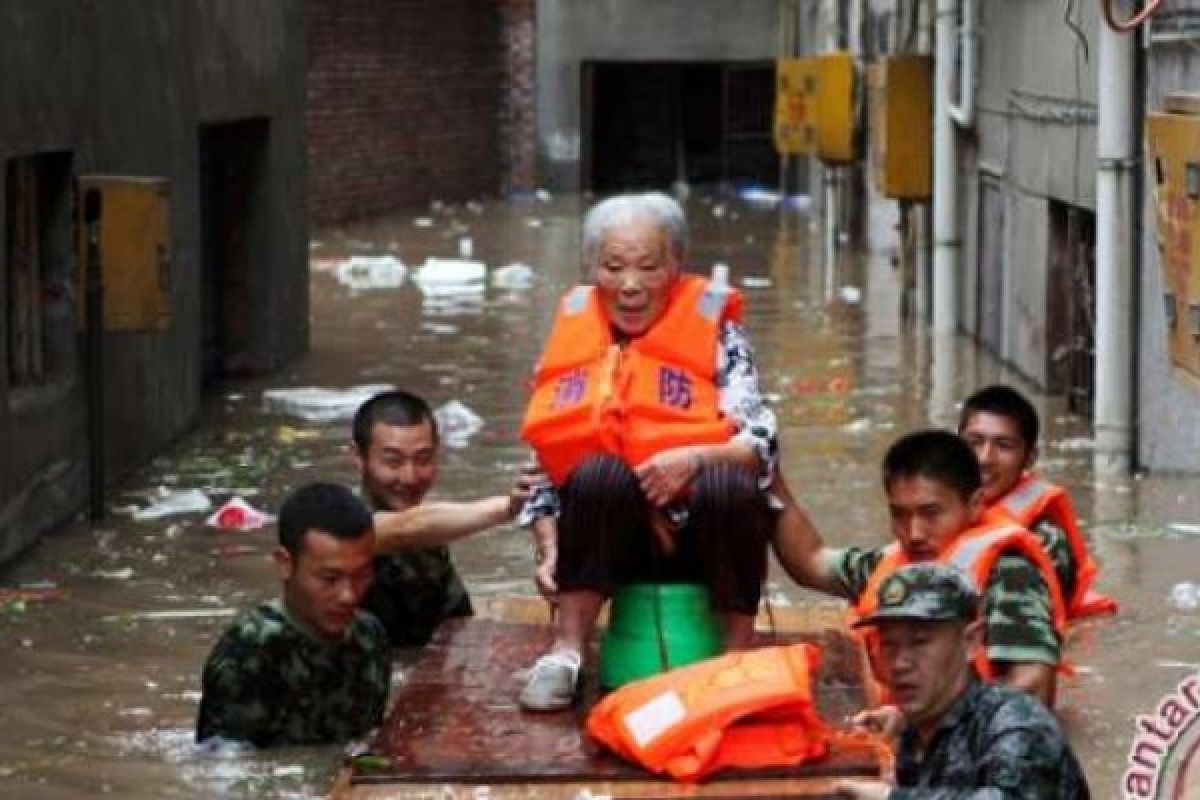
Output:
x=974 y=552
x=747 y=709
x=591 y=395
x=1031 y=500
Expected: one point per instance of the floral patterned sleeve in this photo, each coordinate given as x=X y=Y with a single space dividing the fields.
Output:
x=740 y=398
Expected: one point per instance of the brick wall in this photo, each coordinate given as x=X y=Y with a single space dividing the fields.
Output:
x=518 y=117
x=404 y=97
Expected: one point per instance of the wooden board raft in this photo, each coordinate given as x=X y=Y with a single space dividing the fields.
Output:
x=455 y=730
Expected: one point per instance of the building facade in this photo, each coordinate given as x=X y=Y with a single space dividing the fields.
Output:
x=203 y=101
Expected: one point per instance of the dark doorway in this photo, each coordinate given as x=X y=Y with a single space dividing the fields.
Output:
x=649 y=124
x=231 y=186
x=1071 y=305
x=989 y=299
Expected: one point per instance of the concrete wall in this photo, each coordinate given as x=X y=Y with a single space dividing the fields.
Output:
x=124 y=86
x=1035 y=134
x=1168 y=401
x=572 y=31
x=404 y=103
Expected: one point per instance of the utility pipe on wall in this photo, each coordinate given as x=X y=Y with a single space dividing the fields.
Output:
x=945 y=176
x=1115 y=158
x=963 y=112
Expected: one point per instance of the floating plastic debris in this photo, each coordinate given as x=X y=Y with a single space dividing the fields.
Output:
x=718 y=210
x=286 y=434
x=123 y=574
x=238 y=515
x=759 y=196
x=1076 y=443
x=850 y=295
x=513 y=276
x=457 y=424
x=542 y=195
x=317 y=404
x=466 y=247
x=798 y=202
x=364 y=273
x=1187 y=528
x=1185 y=596
x=755 y=282
x=439 y=276
x=169 y=502
x=857 y=426
x=423 y=222
x=533 y=222
x=16 y=598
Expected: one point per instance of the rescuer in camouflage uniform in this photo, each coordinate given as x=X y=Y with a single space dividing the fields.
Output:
x=395 y=450
x=310 y=667
x=957 y=737
x=933 y=482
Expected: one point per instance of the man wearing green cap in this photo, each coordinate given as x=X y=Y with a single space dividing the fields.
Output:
x=957 y=737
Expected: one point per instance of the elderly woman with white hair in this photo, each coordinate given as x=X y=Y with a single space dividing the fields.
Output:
x=647 y=417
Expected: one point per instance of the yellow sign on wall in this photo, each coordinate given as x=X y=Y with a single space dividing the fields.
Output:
x=134 y=252
x=795 y=100
x=901 y=103
x=835 y=103
x=1173 y=142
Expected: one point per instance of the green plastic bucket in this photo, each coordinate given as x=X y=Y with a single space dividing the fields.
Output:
x=650 y=622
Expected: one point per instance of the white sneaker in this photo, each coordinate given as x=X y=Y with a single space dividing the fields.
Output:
x=553 y=682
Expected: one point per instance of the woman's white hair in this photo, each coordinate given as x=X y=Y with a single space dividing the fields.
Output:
x=622 y=209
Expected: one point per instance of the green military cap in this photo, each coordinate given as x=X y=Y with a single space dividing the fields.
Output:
x=931 y=592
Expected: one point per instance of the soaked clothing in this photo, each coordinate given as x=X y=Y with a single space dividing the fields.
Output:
x=1058 y=547
x=413 y=592
x=739 y=398
x=994 y=743
x=269 y=681
x=606 y=537
x=1019 y=620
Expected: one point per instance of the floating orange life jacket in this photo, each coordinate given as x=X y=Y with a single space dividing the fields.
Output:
x=1033 y=499
x=659 y=391
x=746 y=709
x=974 y=552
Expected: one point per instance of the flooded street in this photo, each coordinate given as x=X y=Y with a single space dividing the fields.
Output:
x=102 y=658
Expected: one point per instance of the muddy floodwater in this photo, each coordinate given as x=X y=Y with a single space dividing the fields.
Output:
x=101 y=660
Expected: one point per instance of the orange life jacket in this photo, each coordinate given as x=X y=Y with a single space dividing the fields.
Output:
x=659 y=391
x=974 y=552
x=1031 y=500
x=746 y=709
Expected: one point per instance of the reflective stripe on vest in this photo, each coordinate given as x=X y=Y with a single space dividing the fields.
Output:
x=968 y=549
x=1019 y=502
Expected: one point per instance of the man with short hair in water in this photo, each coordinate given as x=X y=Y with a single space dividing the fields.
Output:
x=1001 y=426
x=309 y=667
x=395 y=450
x=957 y=738
x=934 y=501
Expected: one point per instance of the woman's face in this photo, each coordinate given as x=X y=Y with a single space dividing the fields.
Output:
x=634 y=275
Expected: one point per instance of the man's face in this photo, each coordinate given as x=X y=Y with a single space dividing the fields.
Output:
x=400 y=465
x=634 y=275
x=925 y=664
x=1002 y=452
x=324 y=582
x=928 y=515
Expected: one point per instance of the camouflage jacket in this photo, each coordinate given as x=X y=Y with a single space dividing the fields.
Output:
x=1018 y=620
x=1058 y=547
x=994 y=743
x=268 y=682
x=413 y=592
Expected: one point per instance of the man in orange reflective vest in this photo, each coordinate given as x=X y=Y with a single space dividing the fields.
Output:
x=647 y=417
x=935 y=503
x=1001 y=426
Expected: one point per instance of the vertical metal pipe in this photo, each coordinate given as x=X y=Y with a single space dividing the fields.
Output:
x=94 y=354
x=1114 y=246
x=945 y=177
